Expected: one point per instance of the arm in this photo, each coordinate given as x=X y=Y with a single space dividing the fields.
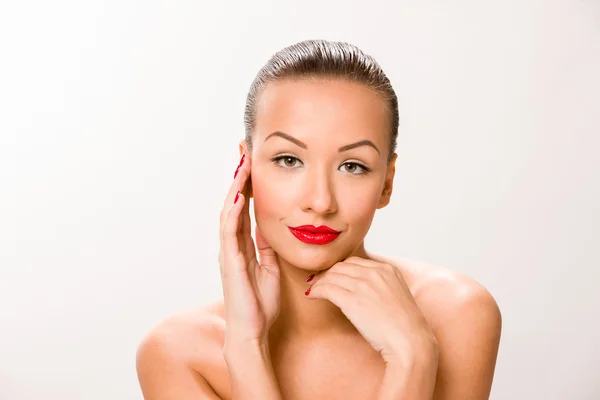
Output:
x=251 y=372
x=414 y=378
x=467 y=337
x=163 y=373
x=470 y=337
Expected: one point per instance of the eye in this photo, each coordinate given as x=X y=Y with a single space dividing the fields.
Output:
x=352 y=168
x=288 y=161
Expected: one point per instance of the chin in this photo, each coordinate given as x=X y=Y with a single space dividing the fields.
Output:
x=312 y=257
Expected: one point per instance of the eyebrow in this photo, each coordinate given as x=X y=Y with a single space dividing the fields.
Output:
x=299 y=143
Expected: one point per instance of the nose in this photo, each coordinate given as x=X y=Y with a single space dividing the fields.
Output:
x=318 y=194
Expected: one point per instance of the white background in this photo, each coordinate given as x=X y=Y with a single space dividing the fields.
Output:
x=119 y=125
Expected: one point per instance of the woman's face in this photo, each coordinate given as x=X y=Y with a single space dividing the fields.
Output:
x=319 y=178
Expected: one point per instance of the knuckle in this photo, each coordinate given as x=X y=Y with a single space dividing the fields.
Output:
x=362 y=285
x=319 y=287
x=320 y=281
x=373 y=273
x=337 y=266
x=228 y=234
x=243 y=174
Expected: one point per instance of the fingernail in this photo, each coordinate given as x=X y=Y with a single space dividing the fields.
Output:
x=307 y=292
x=239 y=165
x=236 y=197
x=310 y=278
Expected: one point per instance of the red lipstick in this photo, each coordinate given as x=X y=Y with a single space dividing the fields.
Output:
x=314 y=234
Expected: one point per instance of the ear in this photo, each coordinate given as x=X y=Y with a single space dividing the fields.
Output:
x=243 y=148
x=386 y=192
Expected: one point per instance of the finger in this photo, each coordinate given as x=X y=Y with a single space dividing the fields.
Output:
x=246 y=222
x=237 y=185
x=353 y=277
x=378 y=274
x=245 y=234
x=267 y=256
x=355 y=270
x=341 y=279
x=233 y=268
x=362 y=261
x=381 y=268
x=231 y=226
x=334 y=293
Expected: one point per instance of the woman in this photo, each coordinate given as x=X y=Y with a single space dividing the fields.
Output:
x=316 y=316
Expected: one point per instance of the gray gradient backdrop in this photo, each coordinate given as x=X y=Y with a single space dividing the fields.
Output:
x=118 y=140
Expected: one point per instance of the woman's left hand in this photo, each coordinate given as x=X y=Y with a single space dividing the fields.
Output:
x=376 y=299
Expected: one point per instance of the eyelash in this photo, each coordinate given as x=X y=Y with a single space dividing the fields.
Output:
x=275 y=160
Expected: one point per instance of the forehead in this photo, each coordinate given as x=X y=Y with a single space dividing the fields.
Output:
x=318 y=107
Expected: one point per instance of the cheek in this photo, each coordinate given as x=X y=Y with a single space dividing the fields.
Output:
x=269 y=197
x=361 y=208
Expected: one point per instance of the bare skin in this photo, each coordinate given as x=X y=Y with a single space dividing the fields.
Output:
x=314 y=350
x=187 y=348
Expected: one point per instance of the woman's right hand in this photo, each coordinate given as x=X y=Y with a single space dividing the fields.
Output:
x=251 y=288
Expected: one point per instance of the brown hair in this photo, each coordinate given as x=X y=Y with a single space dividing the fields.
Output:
x=323 y=59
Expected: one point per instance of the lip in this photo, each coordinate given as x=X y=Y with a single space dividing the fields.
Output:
x=315 y=229
x=314 y=235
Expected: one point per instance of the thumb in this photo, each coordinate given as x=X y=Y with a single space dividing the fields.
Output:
x=267 y=256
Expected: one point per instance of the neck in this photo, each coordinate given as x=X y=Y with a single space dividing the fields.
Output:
x=301 y=318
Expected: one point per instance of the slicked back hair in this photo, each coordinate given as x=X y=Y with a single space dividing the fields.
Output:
x=323 y=59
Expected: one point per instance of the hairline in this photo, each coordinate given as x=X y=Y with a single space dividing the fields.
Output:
x=324 y=77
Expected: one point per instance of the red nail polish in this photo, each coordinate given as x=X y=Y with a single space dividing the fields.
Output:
x=236 y=197
x=310 y=278
x=307 y=292
x=239 y=165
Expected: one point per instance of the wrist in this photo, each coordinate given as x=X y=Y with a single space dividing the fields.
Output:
x=251 y=373
x=414 y=381
x=423 y=350
x=411 y=374
x=245 y=350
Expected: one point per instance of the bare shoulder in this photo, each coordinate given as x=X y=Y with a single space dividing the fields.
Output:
x=466 y=322
x=446 y=297
x=179 y=350
x=186 y=332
